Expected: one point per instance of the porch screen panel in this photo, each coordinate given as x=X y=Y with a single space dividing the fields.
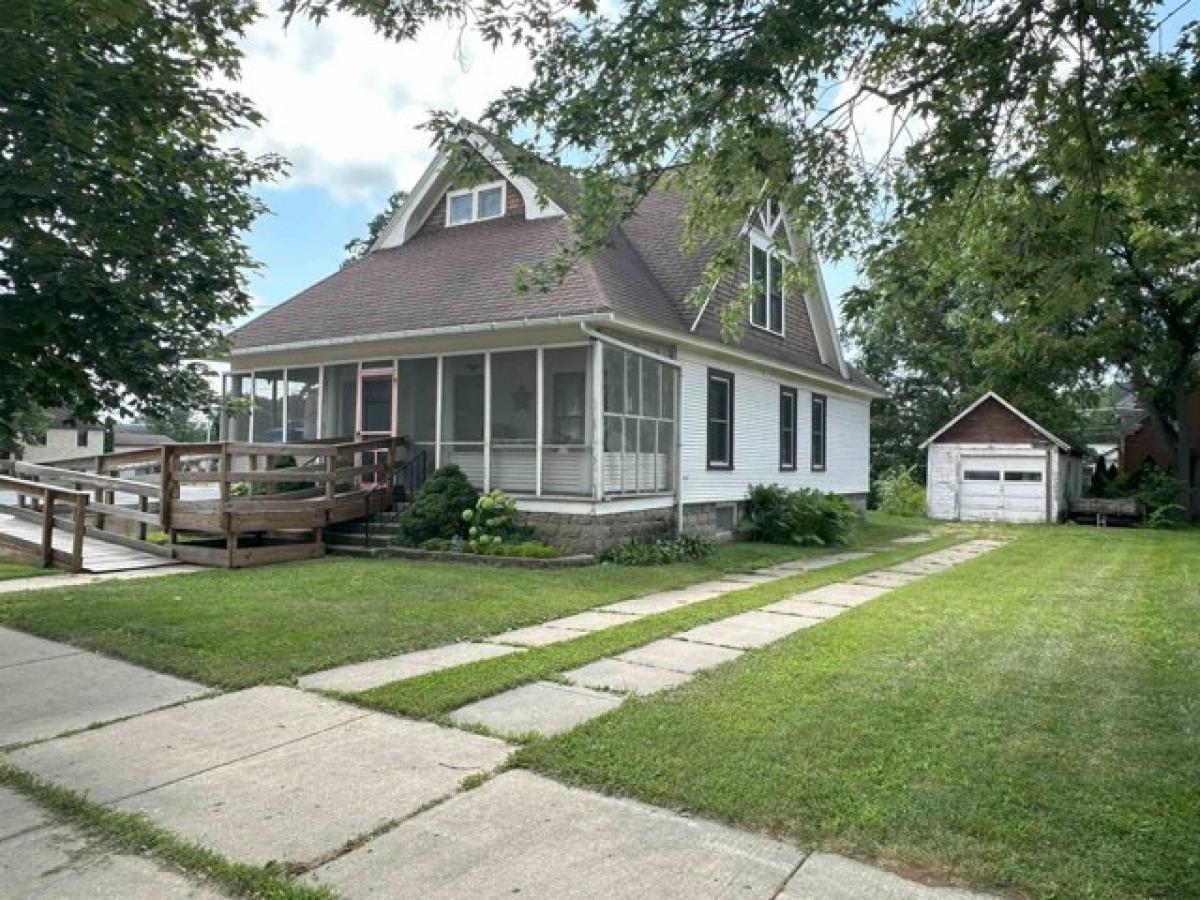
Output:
x=566 y=422
x=514 y=421
x=339 y=402
x=268 y=406
x=639 y=423
x=462 y=414
x=238 y=391
x=416 y=406
x=304 y=403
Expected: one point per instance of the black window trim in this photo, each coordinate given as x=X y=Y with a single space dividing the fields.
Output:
x=794 y=396
x=727 y=377
x=822 y=401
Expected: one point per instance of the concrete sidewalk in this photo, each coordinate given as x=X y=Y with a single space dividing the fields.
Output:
x=47 y=688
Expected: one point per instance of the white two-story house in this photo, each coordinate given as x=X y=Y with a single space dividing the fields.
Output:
x=606 y=406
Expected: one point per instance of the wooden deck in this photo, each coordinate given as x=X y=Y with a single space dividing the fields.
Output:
x=218 y=504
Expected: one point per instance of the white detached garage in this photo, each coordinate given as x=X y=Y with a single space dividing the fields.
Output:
x=993 y=463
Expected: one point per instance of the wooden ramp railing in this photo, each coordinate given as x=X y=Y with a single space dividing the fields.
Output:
x=39 y=502
x=223 y=503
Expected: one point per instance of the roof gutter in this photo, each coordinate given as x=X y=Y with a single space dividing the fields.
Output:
x=473 y=328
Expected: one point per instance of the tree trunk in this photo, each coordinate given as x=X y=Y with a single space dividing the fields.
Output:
x=1184 y=444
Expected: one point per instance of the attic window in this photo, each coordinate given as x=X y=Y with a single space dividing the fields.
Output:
x=475 y=204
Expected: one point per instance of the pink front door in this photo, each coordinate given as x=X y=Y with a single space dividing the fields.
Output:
x=376 y=412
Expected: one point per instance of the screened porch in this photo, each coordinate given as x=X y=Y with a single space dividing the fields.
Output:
x=572 y=421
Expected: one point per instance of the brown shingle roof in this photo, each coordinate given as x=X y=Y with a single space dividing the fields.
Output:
x=464 y=276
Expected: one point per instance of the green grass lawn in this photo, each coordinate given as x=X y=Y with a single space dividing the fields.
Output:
x=9 y=570
x=437 y=693
x=1028 y=722
x=235 y=628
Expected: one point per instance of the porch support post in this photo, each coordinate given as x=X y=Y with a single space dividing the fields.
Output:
x=320 y=402
x=437 y=418
x=487 y=421
x=253 y=405
x=283 y=432
x=597 y=420
x=538 y=436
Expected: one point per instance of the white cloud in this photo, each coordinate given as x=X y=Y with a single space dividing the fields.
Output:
x=343 y=104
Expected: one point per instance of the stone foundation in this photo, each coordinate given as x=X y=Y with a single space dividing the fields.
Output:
x=701 y=518
x=595 y=534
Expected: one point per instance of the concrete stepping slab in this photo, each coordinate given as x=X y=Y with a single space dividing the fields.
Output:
x=754 y=577
x=799 y=605
x=365 y=675
x=149 y=751
x=534 y=636
x=624 y=676
x=522 y=835
x=813 y=562
x=747 y=630
x=591 y=621
x=917 y=567
x=18 y=813
x=299 y=802
x=542 y=707
x=844 y=594
x=46 y=696
x=651 y=604
x=679 y=656
x=826 y=876
x=62 y=864
x=885 y=579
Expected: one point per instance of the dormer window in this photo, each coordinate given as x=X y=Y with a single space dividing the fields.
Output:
x=475 y=204
x=766 y=280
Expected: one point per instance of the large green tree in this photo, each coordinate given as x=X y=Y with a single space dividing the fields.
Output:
x=768 y=98
x=121 y=204
x=1079 y=263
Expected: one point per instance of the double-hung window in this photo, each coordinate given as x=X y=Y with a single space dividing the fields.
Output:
x=766 y=280
x=475 y=204
x=819 y=422
x=720 y=419
x=787 y=429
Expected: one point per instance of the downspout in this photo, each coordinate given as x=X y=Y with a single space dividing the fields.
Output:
x=678 y=367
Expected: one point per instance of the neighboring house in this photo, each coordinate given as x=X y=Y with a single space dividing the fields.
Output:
x=605 y=405
x=1147 y=441
x=65 y=439
x=991 y=462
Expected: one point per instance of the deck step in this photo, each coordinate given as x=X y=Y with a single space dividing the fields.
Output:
x=357 y=540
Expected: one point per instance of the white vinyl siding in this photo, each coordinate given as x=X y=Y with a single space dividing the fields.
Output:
x=756 y=435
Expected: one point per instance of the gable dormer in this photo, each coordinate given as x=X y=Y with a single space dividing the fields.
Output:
x=442 y=199
x=772 y=247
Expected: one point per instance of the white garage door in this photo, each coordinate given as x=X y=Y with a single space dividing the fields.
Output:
x=1002 y=489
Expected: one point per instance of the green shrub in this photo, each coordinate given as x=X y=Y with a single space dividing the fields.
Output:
x=660 y=551
x=804 y=517
x=436 y=510
x=491 y=523
x=898 y=493
x=1162 y=496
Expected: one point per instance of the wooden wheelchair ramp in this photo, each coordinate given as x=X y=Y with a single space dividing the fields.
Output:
x=99 y=555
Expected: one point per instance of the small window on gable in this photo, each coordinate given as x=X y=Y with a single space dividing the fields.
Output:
x=475 y=204
x=766 y=281
x=81 y=437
